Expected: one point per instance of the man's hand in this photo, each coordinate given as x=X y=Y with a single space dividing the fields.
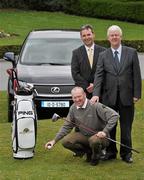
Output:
x=94 y=99
x=90 y=88
x=101 y=134
x=50 y=144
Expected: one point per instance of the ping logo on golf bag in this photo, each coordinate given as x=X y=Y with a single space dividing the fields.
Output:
x=26 y=130
x=25 y=112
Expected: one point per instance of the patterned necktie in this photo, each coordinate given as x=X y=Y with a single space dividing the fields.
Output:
x=116 y=59
x=90 y=56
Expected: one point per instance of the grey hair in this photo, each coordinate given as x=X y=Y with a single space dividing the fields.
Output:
x=114 y=28
x=77 y=88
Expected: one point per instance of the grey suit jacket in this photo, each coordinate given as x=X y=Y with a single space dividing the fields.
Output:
x=108 y=79
x=82 y=73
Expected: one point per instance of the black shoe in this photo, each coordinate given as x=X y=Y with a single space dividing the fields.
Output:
x=88 y=157
x=127 y=159
x=109 y=156
x=94 y=162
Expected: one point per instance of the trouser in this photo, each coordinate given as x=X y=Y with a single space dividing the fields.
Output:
x=126 y=119
x=78 y=143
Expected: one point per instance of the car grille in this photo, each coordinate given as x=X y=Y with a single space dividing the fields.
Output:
x=54 y=90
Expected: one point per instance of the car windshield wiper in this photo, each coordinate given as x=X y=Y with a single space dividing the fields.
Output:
x=59 y=64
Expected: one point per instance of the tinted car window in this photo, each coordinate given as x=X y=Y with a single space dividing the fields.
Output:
x=49 y=51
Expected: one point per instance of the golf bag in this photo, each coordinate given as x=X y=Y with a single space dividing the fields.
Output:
x=24 y=124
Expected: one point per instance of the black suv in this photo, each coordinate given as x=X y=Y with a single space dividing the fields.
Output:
x=44 y=61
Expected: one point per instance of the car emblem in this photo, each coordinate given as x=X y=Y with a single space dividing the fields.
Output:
x=55 y=90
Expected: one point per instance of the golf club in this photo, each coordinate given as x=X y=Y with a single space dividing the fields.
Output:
x=55 y=117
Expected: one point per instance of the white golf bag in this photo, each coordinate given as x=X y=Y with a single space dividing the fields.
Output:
x=24 y=124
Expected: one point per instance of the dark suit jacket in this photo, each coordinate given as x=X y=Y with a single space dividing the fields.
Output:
x=108 y=79
x=82 y=73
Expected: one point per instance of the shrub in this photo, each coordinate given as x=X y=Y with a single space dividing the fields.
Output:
x=125 y=10
x=9 y=48
x=120 y=10
x=13 y=4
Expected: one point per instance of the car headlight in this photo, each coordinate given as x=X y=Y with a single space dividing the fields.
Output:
x=25 y=85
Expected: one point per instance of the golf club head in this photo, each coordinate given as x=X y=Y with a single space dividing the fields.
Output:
x=55 y=117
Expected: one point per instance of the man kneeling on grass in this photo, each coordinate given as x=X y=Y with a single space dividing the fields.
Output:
x=94 y=123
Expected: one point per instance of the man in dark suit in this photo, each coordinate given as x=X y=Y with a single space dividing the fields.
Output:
x=84 y=60
x=118 y=84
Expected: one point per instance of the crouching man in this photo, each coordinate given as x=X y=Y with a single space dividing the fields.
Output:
x=94 y=123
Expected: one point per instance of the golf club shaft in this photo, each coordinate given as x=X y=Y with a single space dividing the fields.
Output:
x=91 y=130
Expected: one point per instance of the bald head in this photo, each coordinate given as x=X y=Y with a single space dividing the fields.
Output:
x=77 y=89
x=78 y=96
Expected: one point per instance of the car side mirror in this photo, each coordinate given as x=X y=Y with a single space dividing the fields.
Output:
x=10 y=56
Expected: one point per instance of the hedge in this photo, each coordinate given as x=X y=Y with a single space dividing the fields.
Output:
x=132 y=11
x=137 y=44
x=14 y=4
x=125 y=10
x=9 y=48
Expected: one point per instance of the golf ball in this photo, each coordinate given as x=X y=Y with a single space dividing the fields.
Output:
x=49 y=146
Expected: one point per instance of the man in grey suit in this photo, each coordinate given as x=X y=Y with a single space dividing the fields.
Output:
x=84 y=60
x=118 y=84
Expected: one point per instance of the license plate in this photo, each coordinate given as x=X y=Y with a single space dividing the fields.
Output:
x=55 y=104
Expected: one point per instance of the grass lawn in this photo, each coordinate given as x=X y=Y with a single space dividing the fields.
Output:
x=21 y=22
x=59 y=164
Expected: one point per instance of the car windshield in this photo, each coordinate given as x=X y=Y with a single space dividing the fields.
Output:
x=49 y=51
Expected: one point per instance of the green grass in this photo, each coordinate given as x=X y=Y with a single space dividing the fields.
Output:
x=3 y=107
x=58 y=163
x=21 y=22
